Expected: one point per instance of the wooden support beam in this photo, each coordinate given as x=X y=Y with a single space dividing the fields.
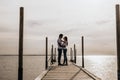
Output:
x=52 y=55
x=82 y=51
x=20 y=67
x=55 y=55
x=71 y=55
x=118 y=38
x=74 y=53
x=46 y=60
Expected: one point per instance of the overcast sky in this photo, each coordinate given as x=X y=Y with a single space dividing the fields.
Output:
x=93 y=19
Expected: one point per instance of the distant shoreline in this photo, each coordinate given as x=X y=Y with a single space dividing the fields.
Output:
x=23 y=55
x=49 y=55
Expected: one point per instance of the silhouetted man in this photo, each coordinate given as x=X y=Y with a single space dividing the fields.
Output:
x=59 y=41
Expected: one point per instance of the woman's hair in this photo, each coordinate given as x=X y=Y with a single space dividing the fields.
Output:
x=65 y=38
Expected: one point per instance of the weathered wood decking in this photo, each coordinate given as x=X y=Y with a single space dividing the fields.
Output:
x=70 y=72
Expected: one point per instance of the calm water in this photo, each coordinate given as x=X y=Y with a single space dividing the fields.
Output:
x=104 y=67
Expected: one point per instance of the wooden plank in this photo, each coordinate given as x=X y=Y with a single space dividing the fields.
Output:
x=70 y=72
x=88 y=73
x=41 y=75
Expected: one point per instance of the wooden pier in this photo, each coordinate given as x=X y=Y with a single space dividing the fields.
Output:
x=65 y=72
x=70 y=72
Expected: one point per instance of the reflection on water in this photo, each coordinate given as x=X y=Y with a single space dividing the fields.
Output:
x=104 y=67
x=32 y=67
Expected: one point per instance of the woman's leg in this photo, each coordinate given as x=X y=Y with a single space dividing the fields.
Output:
x=65 y=56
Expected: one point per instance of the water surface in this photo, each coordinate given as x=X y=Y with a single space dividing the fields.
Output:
x=104 y=67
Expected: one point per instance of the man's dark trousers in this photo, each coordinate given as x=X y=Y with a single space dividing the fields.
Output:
x=59 y=56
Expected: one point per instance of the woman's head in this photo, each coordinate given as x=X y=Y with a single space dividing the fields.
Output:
x=65 y=38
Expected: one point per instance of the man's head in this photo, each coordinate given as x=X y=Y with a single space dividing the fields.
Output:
x=60 y=35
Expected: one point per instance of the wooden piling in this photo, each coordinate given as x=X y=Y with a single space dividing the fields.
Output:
x=82 y=51
x=55 y=55
x=118 y=38
x=20 y=59
x=46 y=60
x=71 y=55
x=52 y=54
x=74 y=53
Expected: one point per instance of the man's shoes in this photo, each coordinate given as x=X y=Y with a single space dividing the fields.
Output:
x=59 y=64
x=65 y=64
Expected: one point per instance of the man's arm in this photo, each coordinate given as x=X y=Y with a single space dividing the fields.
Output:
x=60 y=43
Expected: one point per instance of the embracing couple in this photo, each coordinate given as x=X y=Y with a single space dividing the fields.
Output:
x=62 y=47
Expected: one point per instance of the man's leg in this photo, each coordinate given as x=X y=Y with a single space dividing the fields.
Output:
x=59 y=56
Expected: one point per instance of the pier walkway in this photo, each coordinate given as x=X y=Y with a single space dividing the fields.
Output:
x=70 y=72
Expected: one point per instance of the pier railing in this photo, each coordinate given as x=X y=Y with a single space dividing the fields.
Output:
x=53 y=55
x=52 y=59
x=49 y=61
x=73 y=54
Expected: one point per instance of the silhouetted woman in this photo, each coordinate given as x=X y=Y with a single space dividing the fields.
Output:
x=65 y=44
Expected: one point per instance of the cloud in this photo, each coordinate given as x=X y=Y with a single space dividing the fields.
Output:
x=33 y=23
x=74 y=18
x=3 y=29
x=102 y=22
x=8 y=30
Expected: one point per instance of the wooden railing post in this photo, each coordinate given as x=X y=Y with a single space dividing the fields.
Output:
x=71 y=55
x=46 y=60
x=52 y=54
x=118 y=38
x=55 y=55
x=82 y=51
x=74 y=53
x=20 y=67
